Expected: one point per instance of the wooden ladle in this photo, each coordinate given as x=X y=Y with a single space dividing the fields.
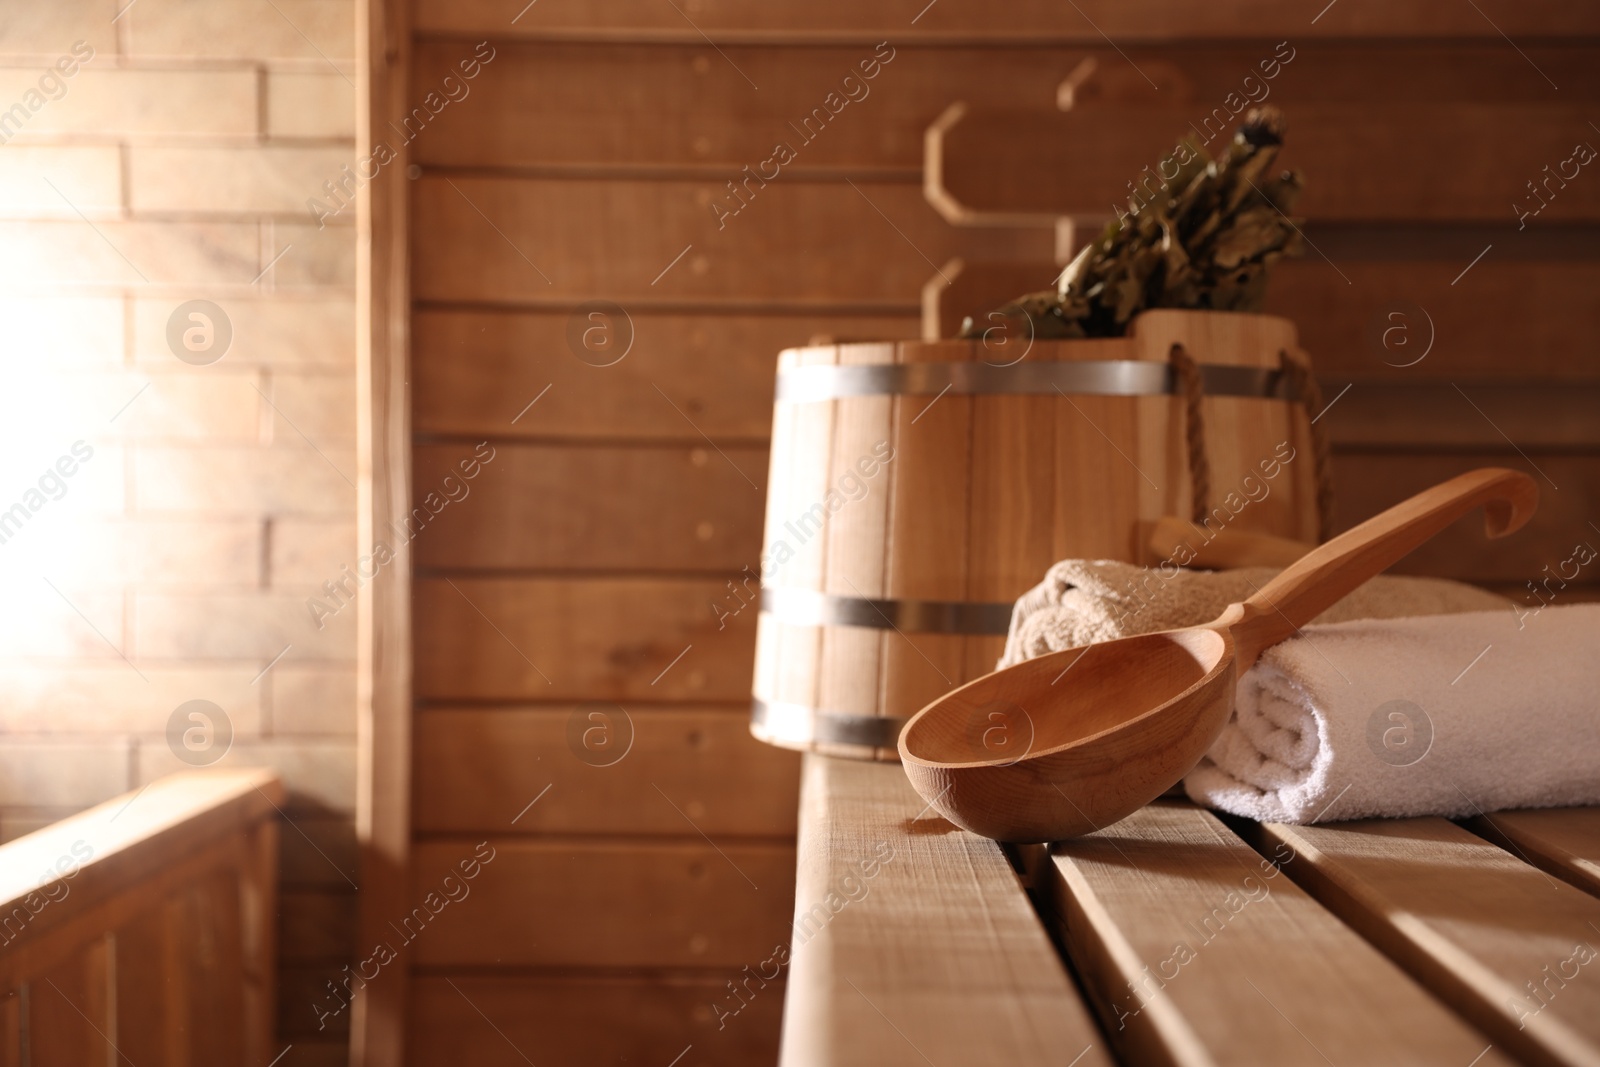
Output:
x=1070 y=742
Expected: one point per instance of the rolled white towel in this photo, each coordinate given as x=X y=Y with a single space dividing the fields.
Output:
x=1446 y=715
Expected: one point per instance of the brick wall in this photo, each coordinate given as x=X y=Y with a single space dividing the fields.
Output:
x=170 y=558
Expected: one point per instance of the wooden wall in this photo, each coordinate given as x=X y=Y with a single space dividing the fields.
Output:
x=174 y=165
x=578 y=573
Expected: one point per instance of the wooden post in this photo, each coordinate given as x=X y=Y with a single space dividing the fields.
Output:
x=383 y=426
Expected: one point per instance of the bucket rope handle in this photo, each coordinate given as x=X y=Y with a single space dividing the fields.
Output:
x=1296 y=366
x=1193 y=390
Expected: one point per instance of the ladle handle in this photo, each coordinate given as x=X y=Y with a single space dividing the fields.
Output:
x=1330 y=571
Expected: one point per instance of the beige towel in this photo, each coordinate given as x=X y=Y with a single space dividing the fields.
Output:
x=1082 y=601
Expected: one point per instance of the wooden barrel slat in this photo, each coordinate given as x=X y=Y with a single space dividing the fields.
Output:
x=856 y=556
x=983 y=492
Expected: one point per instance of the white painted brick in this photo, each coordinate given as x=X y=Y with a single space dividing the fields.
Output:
x=230 y=180
x=246 y=29
x=48 y=29
x=318 y=775
x=36 y=254
x=57 y=181
x=282 y=332
x=234 y=625
x=310 y=105
x=196 y=404
x=285 y=478
x=62 y=774
x=308 y=552
x=102 y=700
x=51 y=333
x=201 y=404
x=313 y=702
x=189 y=553
x=322 y=406
x=119 y=102
x=67 y=620
x=31 y=476
x=320 y=258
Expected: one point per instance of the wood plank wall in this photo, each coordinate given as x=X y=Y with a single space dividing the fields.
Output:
x=614 y=496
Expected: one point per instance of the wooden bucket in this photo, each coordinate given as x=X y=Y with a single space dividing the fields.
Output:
x=918 y=488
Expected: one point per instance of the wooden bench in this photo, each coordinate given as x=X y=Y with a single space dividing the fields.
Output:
x=1178 y=937
x=141 y=931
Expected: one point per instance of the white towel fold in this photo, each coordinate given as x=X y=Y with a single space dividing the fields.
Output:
x=1446 y=715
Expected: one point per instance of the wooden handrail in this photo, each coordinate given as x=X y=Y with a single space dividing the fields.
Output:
x=145 y=925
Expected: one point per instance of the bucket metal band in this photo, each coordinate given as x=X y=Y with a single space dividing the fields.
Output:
x=1109 y=377
x=804 y=607
x=800 y=724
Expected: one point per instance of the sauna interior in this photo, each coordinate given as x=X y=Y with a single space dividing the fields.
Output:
x=428 y=633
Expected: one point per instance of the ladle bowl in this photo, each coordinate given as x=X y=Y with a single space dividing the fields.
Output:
x=1067 y=743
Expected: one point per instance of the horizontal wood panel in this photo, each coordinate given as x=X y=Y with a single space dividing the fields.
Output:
x=508 y=240
x=1028 y=22
x=1464 y=315
x=590 y=507
x=1367 y=484
x=542 y=105
x=608 y=770
x=572 y=1021
x=1180 y=931
x=475 y=372
x=596 y=639
x=1407 y=321
x=1539 y=418
x=1402 y=162
x=1501 y=942
x=585 y=904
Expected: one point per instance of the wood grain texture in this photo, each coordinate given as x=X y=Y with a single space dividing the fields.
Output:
x=1377 y=328
x=476 y=372
x=971 y=498
x=1011 y=757
x=1034 y=22
x=1011 y=162
x=565 y=240
x=1554 y=418
x=537 y=507
x=150 y=917
x=1564 y=842
x=1343 y=326
x=913 y=939
x=573 y=1020
x=574 y=639
x=477 y=770
x=1501 y=942
x=1180 y=931
x=316 y=926
x=579 y=904
x=383 y=473
x=1367 y=483
x=549 y=105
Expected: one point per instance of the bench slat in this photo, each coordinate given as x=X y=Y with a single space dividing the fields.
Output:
x=1563 y=841
x=1501 y=941
x=913 y=939
x=1182 y=932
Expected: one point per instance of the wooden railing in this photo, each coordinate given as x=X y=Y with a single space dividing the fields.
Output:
x=141 y=931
